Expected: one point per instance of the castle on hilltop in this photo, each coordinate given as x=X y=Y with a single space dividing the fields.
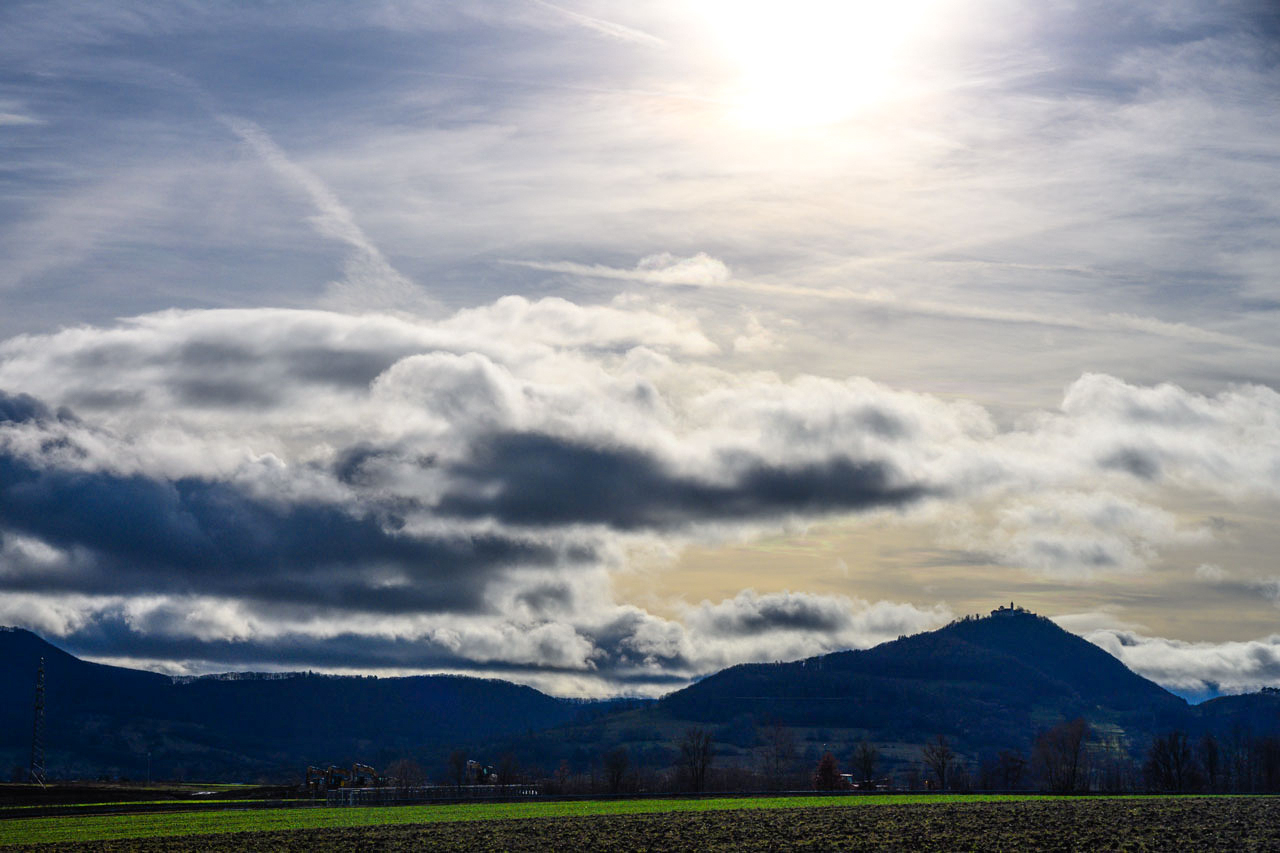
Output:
x=999 y=612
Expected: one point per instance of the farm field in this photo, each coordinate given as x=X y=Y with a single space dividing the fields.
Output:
x=871 y=823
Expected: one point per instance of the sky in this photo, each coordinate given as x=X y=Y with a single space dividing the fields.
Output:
x=599 y=346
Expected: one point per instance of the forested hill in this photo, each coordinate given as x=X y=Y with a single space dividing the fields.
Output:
x=105 y=719
x=984 y=682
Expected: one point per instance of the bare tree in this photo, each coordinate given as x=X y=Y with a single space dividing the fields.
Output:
x=939 y=756
x=865 y=760
x=616 y=761
x=1169 y=762
x=1210 y=756
x=1010 y=767
x=1267 y=752
x=777 y=754
x=1240 y=758
x=508 y=769
x=911 y=778
x=458 y=767
x=407 y=773
x=563 y=772
x=695 y=751
x=1061 y=756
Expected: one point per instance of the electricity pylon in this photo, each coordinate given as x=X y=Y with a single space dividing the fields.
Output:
x=37 y=731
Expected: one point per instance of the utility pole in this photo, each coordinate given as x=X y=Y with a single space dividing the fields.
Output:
x=37 y=731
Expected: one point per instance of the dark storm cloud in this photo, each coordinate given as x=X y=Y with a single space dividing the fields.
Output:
x=19 y=408
x=1142 y=464
x=547 y=597
x=144 y=535
x=617 y=649
x=112 y=636
x=226 y=369
x=105 y=399
x=541 y=480
x=349 y=466
x=226 y=374
x=223 y=393
x=758 y=615
x=212 y=354
x=348 y=368
x=358 y=464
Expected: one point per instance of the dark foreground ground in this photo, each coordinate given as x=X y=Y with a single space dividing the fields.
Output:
x=1192 y=824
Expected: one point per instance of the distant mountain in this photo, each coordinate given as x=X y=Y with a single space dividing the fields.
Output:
x=105 y=719
x=986 y=683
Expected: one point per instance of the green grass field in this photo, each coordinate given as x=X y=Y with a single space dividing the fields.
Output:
x=61 y=830
x=196 y=801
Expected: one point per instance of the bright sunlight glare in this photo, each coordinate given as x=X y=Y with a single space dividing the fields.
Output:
x=812 y=62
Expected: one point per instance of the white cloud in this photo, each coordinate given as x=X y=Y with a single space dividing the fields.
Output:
x=1196 y=668
x=535 y=443
x=756 y=339
x=662 y=268
x=1211 y=573
x=1082 y=533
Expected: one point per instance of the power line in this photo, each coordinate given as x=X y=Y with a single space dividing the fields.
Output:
x=37 y=731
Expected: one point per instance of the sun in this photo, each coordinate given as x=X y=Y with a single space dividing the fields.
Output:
x=812 y=62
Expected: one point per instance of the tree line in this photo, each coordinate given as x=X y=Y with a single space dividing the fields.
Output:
x=1070 y=757
x=1073 y=757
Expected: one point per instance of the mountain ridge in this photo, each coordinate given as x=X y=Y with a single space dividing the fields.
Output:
x=1006 y=673
x=985 y=683
x=103 y=719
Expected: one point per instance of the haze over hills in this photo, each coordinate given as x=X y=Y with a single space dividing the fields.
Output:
x=985 y=683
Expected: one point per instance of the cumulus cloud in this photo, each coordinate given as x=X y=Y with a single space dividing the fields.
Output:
x=453 y=494
x=1081 y=533
x=1228 y=443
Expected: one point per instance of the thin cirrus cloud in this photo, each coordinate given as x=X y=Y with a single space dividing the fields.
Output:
x=705 y=271
x=611 y=29
x=370 y=281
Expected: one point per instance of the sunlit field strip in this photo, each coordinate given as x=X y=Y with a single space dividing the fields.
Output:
x=46 y=830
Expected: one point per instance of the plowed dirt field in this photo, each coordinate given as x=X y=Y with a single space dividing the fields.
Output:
x=1199 y=824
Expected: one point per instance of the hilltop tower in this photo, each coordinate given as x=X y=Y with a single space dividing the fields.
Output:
x=37 y=730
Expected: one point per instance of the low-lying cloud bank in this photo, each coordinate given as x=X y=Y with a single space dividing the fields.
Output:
x=209 y=489
x=1196 y=670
